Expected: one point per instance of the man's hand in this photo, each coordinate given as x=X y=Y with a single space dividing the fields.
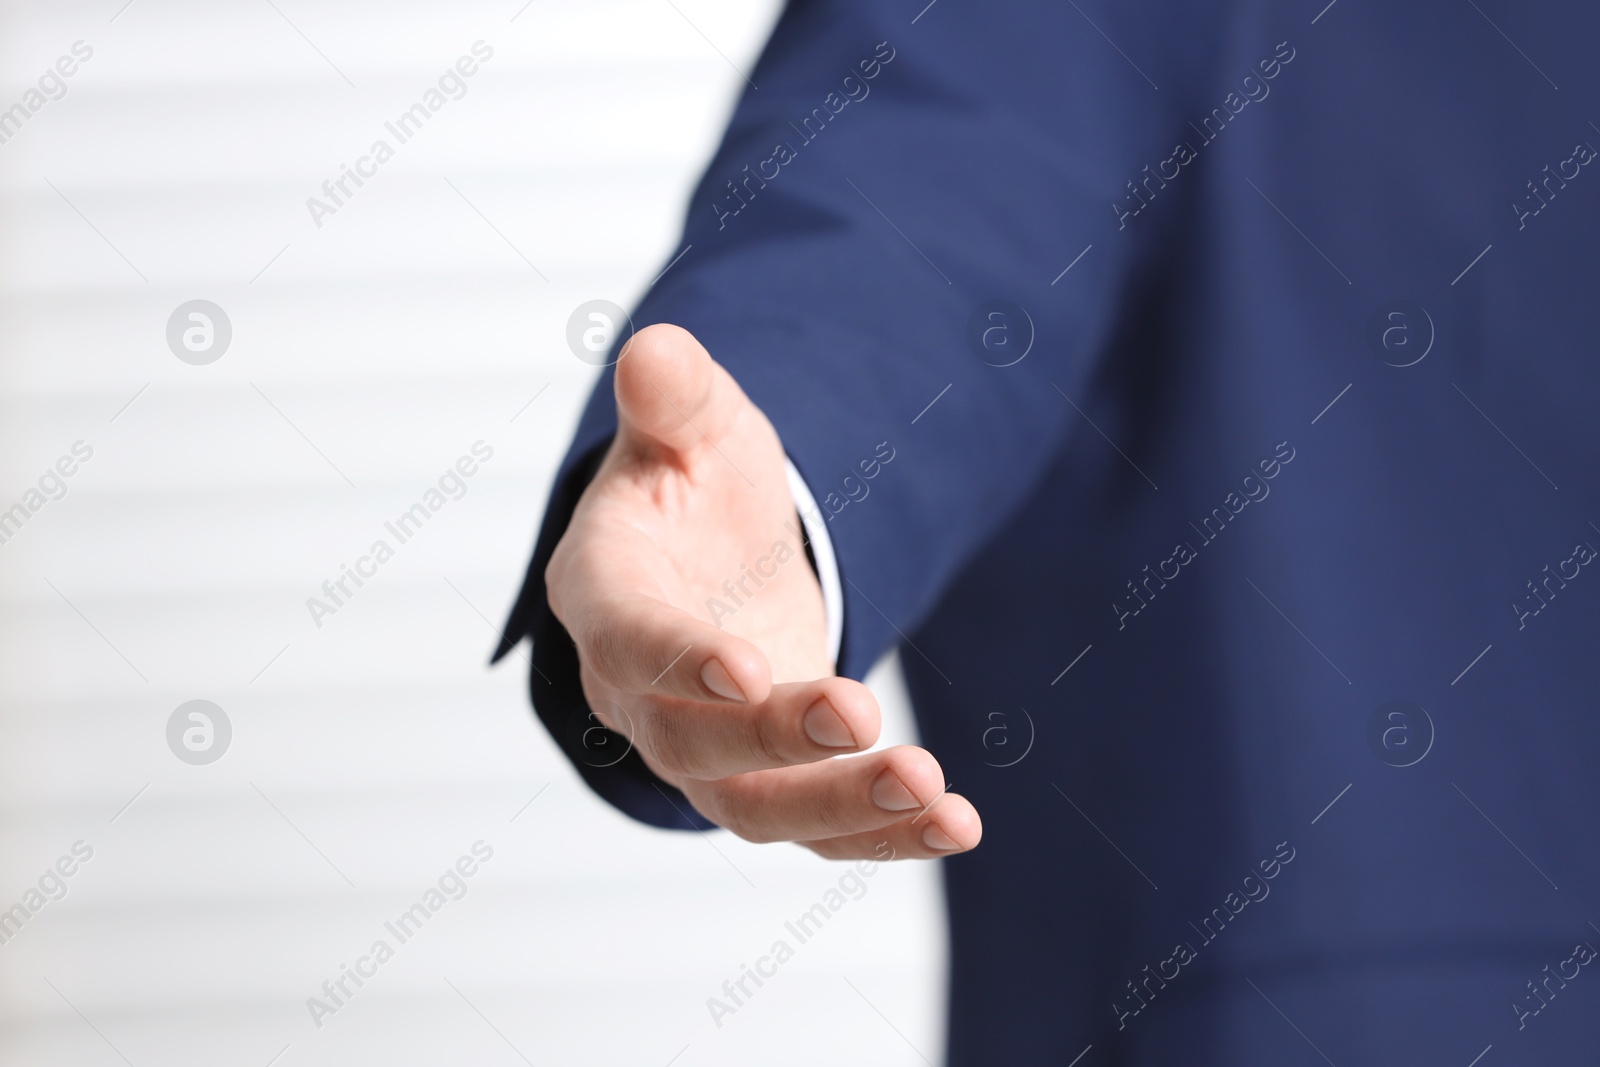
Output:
x=700 y=629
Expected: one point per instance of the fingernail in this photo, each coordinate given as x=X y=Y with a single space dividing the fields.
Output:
x=934 y=837
x=824 y=726
x=891 y=794
x=719 y=681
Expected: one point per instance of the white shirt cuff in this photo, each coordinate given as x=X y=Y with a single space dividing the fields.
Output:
x=816 y=528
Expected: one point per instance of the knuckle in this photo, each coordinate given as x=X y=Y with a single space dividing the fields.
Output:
x=670 y=740
x=608 y=654
x=554 y=583
x=733 y=813
x=834 y=814
x=765 y=743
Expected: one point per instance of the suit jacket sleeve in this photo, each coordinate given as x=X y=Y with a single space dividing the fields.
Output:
x=876 y=254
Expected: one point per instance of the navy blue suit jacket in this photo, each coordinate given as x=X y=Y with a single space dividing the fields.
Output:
x=1238 y=364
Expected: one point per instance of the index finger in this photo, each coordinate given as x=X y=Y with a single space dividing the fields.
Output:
x=642 y=646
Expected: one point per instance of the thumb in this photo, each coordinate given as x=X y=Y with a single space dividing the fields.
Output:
x=670 y=393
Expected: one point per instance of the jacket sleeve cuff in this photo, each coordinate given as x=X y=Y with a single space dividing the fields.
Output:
x=826 y=564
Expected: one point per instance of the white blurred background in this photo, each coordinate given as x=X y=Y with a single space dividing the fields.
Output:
x=368 y=754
